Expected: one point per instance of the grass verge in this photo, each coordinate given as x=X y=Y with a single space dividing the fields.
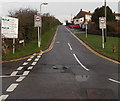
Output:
x=95 y=41
x=32 y=46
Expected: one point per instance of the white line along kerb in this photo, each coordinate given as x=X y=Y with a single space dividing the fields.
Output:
x=80 y=63
x=12 y=87
x=38 y=56
x=70 y=46
x=25 y=63
x=29 y=59
x=26 y=73
x=37 y=59
x=14 y=73
x=20 y=79
x=114 y=80
x=3 y=97
x=20 y=68
x=31 y=67
x=34 y=63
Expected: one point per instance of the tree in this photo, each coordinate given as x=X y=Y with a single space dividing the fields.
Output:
x=100 y=12
x=26 y=23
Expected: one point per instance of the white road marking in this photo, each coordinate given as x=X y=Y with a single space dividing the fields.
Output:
x=25 y=63
x=12 y=87
x=32 y=57
x=20 y=68
x=29 y=59
x=26 y=72
x=114 y=80
x=31 y=67
x=80 y=63
x=20 y=79
x=3 y=97
x=37 y=59
x=14 y=73
x=70 y=46
x=34 y=54
x=34 y=63
x=6 y=76
x=38 y=56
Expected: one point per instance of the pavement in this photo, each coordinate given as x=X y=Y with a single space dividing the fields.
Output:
x=68 y=71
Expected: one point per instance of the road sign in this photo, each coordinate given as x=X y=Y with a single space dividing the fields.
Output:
x=9 y=27
x=37 y=21
x=102 y=22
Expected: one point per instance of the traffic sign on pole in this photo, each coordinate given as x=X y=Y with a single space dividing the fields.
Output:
x=37 y=21
x=102 y=22
x=102 y=25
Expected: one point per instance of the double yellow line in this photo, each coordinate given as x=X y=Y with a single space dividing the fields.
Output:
x=50 y=48
x=93 y=51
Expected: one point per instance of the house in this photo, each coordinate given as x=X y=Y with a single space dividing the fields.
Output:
x=82 y=17
x=117 y=16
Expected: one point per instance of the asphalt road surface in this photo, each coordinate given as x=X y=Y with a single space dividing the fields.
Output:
x=68 y=71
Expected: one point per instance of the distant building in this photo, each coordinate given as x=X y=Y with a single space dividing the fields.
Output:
x=117 y=16
x=82 y=17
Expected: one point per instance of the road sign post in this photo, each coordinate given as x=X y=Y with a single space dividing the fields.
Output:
x=102 y=25
x=37 y=23
x=86 y=23
x=9 y=29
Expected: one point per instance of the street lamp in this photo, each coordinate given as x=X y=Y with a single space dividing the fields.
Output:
x=39 y=36
x=106 y=21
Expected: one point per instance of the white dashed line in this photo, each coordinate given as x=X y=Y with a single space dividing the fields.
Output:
x=34 y=63
x=14 y=73
x=37 y=59
x=20 y=79
x=31 y=67
x=34 y=54
x=29 y=59
x=114 y=80
x=32 y=57
x=38 y=56
x=20 y=68
x=25 y=63
x=26 y=73
x=70 y=46
x=12 y=87
x=3 y=97
x=80 y=63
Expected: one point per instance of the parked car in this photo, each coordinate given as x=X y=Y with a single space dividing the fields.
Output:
x=74 y=26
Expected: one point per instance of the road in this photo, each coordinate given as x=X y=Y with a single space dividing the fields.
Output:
x=68 y=71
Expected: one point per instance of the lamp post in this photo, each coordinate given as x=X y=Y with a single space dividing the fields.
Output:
x=39 y=36
x=106 y=21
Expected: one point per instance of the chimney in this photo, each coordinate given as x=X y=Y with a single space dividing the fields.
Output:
x=89 y=11
x=80 y=9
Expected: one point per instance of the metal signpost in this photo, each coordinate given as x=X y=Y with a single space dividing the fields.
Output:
x=9 y=29
x=37 y=23
x=102 y=25
x=86 y=23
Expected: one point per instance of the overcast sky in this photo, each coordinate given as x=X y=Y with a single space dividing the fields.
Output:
x=62 y=9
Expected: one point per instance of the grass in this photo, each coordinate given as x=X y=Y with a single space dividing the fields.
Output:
x=32 y=46
x=95 y=42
